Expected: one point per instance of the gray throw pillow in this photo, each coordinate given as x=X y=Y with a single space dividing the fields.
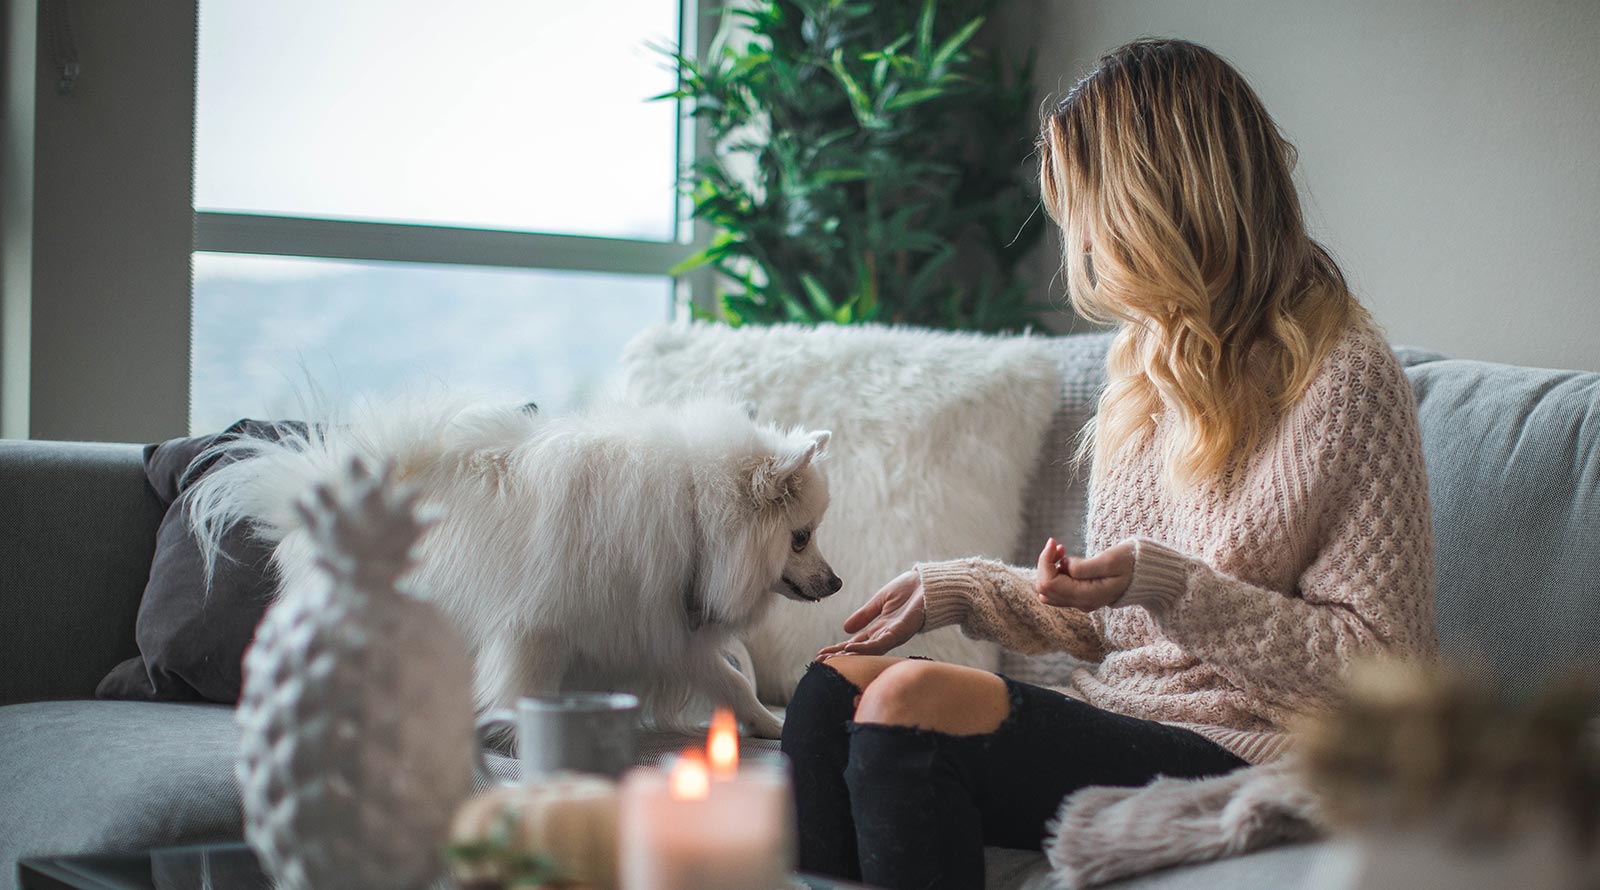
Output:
x=191 y=640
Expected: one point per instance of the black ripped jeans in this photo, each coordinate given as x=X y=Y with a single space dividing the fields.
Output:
x=910 y=809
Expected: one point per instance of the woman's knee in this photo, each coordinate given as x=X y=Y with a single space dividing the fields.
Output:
x=824 y=700
x=935 y=696
x=860 y=670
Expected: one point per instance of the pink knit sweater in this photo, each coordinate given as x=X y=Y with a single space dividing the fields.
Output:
x=1251 y=596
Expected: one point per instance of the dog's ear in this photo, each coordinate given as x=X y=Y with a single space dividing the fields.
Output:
x=776 y=480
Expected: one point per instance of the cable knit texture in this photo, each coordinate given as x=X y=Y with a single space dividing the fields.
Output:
x=1250 y=595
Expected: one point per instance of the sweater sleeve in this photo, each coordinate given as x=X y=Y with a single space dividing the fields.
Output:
x=1367 y=588
x=994 y=601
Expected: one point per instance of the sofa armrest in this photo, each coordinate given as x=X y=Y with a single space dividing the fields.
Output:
x=77 y=533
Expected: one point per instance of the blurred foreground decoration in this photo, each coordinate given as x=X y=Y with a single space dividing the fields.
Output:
x=868 y=162
x=1435 y=781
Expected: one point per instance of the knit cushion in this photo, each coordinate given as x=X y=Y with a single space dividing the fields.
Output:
x=935 y=435
x=1057 y=496
x=1514 y=475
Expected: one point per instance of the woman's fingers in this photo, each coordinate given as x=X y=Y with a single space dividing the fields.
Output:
x=869 y=610
x=876 y=645
x=1048 y=561
x=872 y=630
x=883 y=622
x=1077 y=593
x=835 y=649
x=1112 y=563
x=850 y=647
x=875 y=640
x=885 y=602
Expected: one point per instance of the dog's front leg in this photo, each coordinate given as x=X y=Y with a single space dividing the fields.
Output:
x=733 y=689
x=514 y=665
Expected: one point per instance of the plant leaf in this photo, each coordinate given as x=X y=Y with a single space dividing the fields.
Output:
x=721 y=245
x=925 y=30
x=914 y=97
x=827 y=162
x=819 y=296
x=839 y=174
x=860 y=102
x=957 y=40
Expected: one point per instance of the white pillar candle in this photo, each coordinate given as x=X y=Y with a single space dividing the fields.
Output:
x=683 y=830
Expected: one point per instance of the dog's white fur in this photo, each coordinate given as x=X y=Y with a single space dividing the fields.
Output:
x=617 y=549
x=938 y=435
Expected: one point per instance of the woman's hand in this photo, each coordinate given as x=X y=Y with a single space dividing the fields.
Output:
x=1087 y=584
x=894 y=615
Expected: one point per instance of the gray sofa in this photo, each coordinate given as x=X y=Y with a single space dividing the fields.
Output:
x=1514 y=463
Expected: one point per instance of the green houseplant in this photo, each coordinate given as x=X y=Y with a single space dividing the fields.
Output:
x=868 y=162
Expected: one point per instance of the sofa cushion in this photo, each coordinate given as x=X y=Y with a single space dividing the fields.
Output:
x=1513 y=460
x=192 y=638
x=101 y=776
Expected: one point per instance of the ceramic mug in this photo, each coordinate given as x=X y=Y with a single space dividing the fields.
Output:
x=586 y=732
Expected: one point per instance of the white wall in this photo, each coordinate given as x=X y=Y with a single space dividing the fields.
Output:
x=1450 y=149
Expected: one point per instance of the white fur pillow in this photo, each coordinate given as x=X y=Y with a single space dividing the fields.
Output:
x=935 y=436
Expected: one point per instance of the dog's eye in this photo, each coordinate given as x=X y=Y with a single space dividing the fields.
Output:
x=801 y=539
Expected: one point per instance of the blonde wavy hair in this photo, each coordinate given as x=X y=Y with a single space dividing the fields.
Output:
x=1180 y=222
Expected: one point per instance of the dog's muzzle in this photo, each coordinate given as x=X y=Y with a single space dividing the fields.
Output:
x=811 y=594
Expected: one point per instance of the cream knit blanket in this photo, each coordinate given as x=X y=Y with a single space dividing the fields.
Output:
x=1103 y=834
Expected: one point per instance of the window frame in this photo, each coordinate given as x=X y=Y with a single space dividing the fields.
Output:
x=99 y=228
x=228 y=232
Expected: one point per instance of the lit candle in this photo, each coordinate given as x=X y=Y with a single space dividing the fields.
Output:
x=722 y=745
x=707 y=826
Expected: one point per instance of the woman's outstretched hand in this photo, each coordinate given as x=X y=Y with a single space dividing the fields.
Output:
x=893 y=616
x=1087 y=584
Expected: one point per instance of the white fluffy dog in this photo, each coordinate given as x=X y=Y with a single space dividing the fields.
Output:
x=619 y=549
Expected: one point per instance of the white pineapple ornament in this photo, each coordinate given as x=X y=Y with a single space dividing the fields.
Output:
x=356 y=714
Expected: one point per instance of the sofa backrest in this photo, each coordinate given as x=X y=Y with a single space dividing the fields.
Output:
x=1513 y=458
x=77 y=532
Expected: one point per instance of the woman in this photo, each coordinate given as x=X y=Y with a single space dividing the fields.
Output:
x=1257 y=501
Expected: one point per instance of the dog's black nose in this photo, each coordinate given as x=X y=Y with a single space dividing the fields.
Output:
x=834 y=583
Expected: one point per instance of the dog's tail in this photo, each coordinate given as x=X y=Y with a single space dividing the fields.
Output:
x=257 y=479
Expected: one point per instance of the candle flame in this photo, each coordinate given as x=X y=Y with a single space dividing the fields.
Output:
x=722 y=744
x=689 y=779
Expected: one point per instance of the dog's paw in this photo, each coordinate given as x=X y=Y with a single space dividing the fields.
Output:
x=764 y=725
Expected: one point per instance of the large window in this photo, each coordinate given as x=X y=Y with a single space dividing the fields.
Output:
x=406 y=193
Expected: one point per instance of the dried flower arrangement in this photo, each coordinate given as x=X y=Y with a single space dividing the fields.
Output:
x=1427 y=750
